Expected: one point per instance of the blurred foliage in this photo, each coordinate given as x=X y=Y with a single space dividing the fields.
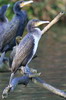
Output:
x=41 y=9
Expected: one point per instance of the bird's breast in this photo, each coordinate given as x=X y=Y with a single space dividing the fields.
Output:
x=36 y=41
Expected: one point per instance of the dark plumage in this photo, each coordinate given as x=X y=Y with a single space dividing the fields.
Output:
x=3 y=18
x=28 y=46
x=13 y=28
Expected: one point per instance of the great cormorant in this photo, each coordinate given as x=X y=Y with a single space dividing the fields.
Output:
x=13 y=52
x=3 y=21
x=14 y=28
x=28 y=46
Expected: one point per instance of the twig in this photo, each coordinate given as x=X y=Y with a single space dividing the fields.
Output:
x=54 y=21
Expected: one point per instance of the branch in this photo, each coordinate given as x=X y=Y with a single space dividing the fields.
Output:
x=25 y=80
x=54 y=21
x=47 y=86
x=18 y=80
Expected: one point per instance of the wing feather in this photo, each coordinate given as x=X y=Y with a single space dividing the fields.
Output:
x=24 y=52
x=8 y=32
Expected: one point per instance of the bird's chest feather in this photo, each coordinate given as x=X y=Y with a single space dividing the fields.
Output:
x=36 y=40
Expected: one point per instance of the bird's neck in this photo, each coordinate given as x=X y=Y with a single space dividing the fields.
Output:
x=36 y=32
x=21 y=15
x=18 y=11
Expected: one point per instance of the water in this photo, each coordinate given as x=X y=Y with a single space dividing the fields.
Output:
x=51 y=62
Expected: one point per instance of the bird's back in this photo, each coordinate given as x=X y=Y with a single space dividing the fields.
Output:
x=8 y=32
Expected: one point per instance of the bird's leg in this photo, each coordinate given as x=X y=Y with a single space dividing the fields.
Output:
x=11 y=77
x=30 y=72
x=22 y=70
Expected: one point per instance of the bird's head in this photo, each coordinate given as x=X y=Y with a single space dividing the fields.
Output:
x=34 y=23
x=3 y=9
x=20 y=4
x=18 y=39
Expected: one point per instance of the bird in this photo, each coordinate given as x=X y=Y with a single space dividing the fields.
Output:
x=3 y=18
x=27 y=47
x=13 y=52
x=15 y=27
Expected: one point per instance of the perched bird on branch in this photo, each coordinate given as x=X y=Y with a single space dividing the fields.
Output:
x=14 y=28
x=13 y=52
x=28 y=46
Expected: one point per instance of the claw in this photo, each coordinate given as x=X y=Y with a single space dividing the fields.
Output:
x=34 y=75
x=33 y=70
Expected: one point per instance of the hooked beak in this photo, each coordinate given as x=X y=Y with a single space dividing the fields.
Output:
x=18 y=39
x=40 y=23
x=25 y=3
